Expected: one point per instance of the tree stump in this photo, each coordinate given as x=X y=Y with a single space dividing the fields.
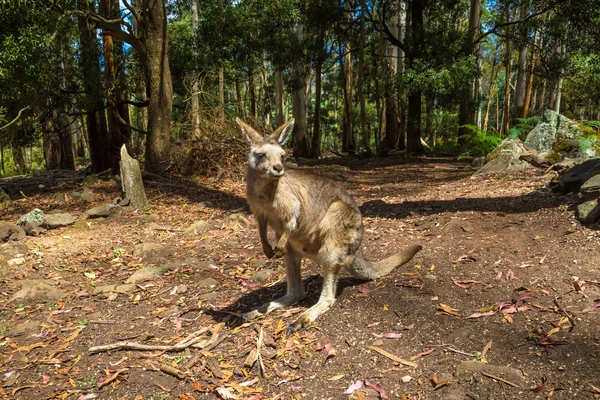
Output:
x=131 y=179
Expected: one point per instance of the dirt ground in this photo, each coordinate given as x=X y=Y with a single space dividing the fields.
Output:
x=501 y=303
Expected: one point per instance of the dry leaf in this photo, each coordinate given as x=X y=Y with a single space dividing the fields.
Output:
x=446 y=309
x=377 y=387
x=424 y=353
x=354 y=387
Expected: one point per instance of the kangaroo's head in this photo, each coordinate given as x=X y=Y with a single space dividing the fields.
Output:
x=266 y=156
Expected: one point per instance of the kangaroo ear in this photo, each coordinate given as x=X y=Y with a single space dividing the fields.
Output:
x=282 y=134
x=251 y=135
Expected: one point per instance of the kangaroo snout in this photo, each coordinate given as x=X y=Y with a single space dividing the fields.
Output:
x=277 y=169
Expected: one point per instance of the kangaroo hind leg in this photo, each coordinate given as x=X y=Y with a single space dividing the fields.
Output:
x=295 y=288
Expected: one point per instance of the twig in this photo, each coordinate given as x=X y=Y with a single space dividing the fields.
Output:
x=562 y=310
x=460 y=352
x=393 y=357
x=177 y=373
x=500 y=379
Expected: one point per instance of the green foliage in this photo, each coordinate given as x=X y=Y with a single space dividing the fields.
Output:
x=523 y=126
x=479 y=142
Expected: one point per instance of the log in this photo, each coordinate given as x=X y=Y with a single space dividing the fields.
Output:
x=131 y=180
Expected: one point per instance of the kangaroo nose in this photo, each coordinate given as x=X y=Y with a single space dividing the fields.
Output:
x=278 y=168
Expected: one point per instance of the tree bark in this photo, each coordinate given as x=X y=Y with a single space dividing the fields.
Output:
x=238 y=95
x=521 y=85
x=95 y=120
x=252 y=95
x=469 y=94
x=279 y=117
x=300 y=136
x=507 y=64
x=402 y=27
x=195 y=101
x=413 y=131
x=348 y=140
x=361 y=95
x=493 y=77
x=529 y=88
x=315 y=147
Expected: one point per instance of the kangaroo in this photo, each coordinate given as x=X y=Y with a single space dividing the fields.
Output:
x=313 y=218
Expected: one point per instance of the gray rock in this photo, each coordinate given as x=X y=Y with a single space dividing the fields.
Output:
x=573 y=179
x=466 y=369
x=262 y=276
x=100 y=211
x=588 y=212
x=144 y=274
x=209 y=283
x=10 y=232
x=87 y=194
x=90 y=180
x=37 y=231
x=145 y=249
x=590 y=189
x=505 y=158
x=37 y=290
x=59 y=220
x=258 y=263
x=171 y=265
x=126 y=288
x=198 y=227
x=24 y=328
x=35 y=216
x=59 y=198
x=3 y=196
x=478 y=162
x=239 y=217
x=76 y=195
x=205 y=204
x=14 y=249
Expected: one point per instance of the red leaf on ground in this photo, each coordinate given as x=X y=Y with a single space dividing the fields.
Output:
x=354 y=387
x=423 y=353
x=389 y=335
x=377 y=387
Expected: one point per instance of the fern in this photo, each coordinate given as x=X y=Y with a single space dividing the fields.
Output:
x=523 y=127
x=480 y=142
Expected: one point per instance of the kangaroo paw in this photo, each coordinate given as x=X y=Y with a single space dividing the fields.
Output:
x=303 y=321
x=280 y=251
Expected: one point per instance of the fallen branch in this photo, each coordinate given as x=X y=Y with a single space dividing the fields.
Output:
x=191 y=340
x=177 y=373
x=566 y=314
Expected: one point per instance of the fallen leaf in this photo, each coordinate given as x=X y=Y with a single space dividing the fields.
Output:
x=389 y=335
x=465 y=284
x=377 y=387
x=330 y=351
x=354 y=387
x=541 y=387
x=336 y=377
x=446 y=309
x=226 y=393
x=480 y=315
x=424 y=353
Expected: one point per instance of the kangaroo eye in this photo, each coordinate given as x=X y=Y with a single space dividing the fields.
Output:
x=283 y=157
x=260 y=156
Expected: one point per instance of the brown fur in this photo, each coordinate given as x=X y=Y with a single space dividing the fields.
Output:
x=313 y=218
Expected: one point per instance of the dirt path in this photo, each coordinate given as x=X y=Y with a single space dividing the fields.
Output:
x=485 y=311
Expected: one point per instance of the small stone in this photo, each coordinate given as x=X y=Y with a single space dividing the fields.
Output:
x=262 y=276
x=406 y=378
x=90 y=180
x=11 y=232
x=205 y=204
x=239 y=217
x=182 y=289
x=144 y=274
x=258 y=263
x=208 y=283
x=76 y=195
x=145 y=249
x=14 y=249
x=59 y=198
x=100 y=211
x=16 y=261
x=36 y=290
x=35 y=216
x=87 y=194
x=198 y=227
x=3 y=196
x=588 y=212
x=24 y=328
x=59 y=220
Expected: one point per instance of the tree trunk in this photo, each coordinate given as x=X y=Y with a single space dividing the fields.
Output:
x=114 y=75
x=521 y=85
x=364 y=132
x=131 y=178
x=468 y=96
x=97 y=130
x=413 y=131
x=402 y=28
x=279 y=117
x=300 y=136
x=238 y=95
x=507 y=64
x=348 y=140
x=159 y=86
x=529 y=89
x=252 y=95
x=559 y=84
x=195 y=106
x=493 y=77
x=316 y=138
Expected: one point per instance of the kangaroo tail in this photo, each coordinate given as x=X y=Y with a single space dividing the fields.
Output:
x=374 y=269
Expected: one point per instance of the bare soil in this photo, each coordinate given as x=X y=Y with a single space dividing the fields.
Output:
x=507 y=277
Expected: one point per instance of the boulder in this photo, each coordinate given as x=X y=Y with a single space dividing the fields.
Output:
x=87 y=194
x=590 y=189
x=60 y=198
x=466 y=369
x=38 y=290
x=505 y=158
x=10 y=232
x=198 y=227
x=144 y=274
x=575 y=177
x=561 y=135
x=35 y=216
x=14 y=249
x=588 y=212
